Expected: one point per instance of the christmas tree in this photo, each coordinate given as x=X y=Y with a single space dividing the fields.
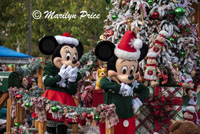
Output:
x=166 y=27
x=148 y=18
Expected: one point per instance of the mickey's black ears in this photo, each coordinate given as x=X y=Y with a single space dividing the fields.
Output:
x=104 y=50
x=144 y=51
x=47 y=45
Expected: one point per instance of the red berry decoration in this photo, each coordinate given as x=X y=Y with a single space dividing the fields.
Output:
x=18 y=96
x=89 y=116
x=34 y=115
x=155 y=15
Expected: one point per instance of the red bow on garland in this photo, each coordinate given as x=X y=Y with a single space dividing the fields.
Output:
x=162 y=107
x=86 y=96
x=108 y=112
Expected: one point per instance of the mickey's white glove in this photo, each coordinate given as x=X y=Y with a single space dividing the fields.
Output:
x=73 y=73
x=136 y=103
x=64 y=72
x=125 y=90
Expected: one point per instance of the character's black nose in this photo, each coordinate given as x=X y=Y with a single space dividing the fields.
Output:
x=74 y=61
x=130 y=77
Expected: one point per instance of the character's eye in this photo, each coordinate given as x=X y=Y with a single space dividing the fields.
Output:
x=124 y=69
x=75 y=57
x=68 y=56
x=132 y=69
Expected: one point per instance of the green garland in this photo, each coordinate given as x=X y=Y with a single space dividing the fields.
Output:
x=87 y=62
x=41 y=105
x=29 y=69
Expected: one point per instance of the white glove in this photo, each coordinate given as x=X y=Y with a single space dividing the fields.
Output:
x=73 y=73
x=136 y=103
x=125 y=90
x=64 y=72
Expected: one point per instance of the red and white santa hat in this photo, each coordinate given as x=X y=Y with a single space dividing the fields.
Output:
x=66 y=39
x=129 y=47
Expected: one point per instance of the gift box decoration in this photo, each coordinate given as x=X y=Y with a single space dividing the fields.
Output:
x=164 y=104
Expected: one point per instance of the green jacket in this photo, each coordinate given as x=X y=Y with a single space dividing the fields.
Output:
x=51 y=78
x=123 y=104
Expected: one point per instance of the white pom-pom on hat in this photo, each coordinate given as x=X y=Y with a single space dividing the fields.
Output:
x=129 y=47
x=138 y=44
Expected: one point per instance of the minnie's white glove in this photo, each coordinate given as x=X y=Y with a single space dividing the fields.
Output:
x=125 y=90
x=64 y=72
x=136 y=103
x=73 y=73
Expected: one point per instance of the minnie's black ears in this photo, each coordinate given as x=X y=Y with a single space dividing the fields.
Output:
x=47 y=45
x=104 y=50
x=80 y=50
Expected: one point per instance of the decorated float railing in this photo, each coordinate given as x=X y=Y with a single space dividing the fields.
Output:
x=20 y=100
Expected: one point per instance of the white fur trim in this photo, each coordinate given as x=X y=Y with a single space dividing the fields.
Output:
x=66 y=40
x=152 y=54
x=191 y=109
x=138 y=44
x=127 y=55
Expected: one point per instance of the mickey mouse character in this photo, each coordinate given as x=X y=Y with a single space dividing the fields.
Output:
x=61 y=76
x=120 y=86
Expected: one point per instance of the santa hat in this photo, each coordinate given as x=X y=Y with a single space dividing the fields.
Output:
x=66 y=39
x=164 y=34
x=129 y=47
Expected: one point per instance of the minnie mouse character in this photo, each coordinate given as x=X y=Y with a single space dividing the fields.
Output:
x=61 y=76
x=120 y=86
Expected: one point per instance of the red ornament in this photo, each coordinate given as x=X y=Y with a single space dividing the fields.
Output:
x=84 y=114
x=124 y=3
x=18 y=96
x=155 y=15
x=34 y=115
x=180 y=26
x=89 y=116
